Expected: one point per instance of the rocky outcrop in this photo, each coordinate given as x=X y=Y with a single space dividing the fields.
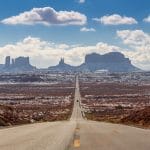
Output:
x=18 y=64
x=113 y=62
x=62 y=67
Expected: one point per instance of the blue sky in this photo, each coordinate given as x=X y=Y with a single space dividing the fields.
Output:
x=104 y=30
x=91 y=8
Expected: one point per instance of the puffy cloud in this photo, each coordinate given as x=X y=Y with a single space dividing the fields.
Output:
x=134 y=37
x=47 y=16
x=81 y=1
x=63 y=46
x=84 y=29
x=139 y=42
x=44 y=53
x=147 y=19
x=116 y=19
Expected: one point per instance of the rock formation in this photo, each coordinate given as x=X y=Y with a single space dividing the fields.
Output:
x=113 y=62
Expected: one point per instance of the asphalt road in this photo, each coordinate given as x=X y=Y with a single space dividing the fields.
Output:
x=78 y=133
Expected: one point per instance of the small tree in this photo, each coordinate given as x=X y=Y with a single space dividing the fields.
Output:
x=119 y=107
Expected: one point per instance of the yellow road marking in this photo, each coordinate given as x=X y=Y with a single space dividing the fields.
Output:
x=77 y=129
x=76 y=143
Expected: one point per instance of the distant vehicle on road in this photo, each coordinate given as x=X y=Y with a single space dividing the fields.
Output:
x=77 y=100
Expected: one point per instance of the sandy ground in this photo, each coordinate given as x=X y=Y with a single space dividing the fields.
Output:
x=77 y=133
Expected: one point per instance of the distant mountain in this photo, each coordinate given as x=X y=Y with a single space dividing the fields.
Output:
x=17 y=65
x=1 y=66
x=113 y=62
x=62 y=67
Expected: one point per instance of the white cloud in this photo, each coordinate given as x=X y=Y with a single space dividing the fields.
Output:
x=139 y=42
x=44 y=53
x=147 y=19
x=63 y=46
x=116 y=19
x=84 y=29
x=81 y=1
x=134 y=37
x=47 y=16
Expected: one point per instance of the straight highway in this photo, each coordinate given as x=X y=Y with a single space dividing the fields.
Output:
x=77 y=133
